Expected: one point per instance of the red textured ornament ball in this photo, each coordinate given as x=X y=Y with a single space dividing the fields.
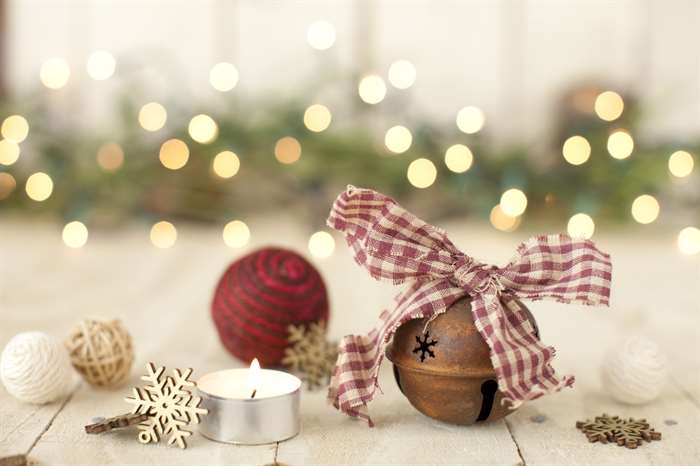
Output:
x=259 y=296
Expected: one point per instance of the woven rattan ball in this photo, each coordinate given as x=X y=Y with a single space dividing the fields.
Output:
x=101 y=352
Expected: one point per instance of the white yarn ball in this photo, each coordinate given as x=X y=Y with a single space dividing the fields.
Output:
x=635 y=371
x=36 y=368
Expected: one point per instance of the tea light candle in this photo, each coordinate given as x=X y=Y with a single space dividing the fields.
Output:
x=250 y=406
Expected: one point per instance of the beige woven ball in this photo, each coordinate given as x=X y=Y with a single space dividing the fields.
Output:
x=101 y=351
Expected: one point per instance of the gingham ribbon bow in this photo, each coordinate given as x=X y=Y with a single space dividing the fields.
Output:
x=393 y=244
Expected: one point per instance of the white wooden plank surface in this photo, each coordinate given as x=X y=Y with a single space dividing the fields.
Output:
x=66 y=442
x=654 y=294
x=402 y=436
x=163 y=298
x=20 y=424
x=557 y=441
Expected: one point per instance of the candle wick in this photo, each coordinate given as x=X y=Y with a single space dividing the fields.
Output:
x=254 y=392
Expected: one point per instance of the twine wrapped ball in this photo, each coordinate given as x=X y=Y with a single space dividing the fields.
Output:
x=259 y=296
x=635 y=371
x=35 y=368
x=101 y=351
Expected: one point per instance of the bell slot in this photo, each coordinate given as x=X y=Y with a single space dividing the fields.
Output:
x=397 y=377
x=488 y=395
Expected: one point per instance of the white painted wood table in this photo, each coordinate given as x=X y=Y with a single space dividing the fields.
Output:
x=163 y=297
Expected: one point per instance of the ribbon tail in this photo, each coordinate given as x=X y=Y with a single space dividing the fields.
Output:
x=354 y=380
x=354 y=396
x=522 y=363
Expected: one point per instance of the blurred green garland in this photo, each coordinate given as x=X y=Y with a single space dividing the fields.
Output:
x=351 y=151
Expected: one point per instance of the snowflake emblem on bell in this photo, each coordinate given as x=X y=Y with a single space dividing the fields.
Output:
x=424 y=346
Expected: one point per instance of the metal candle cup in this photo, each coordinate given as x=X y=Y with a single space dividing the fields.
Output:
x=234 y=417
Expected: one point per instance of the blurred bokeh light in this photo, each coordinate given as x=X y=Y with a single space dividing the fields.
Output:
x=581 y=226
x=287 y=150
x=174 y=154
x=75 y=234
x=398 y=139
x=163 y=235
x=372 y=89
x=152 y=116
x=317 y=118
x=236 y=234
x=226 y=164
x=421 y=173
x=39 y=186
x=321 y=244
x=458 y=158
x=576 y=150
x=54 y=73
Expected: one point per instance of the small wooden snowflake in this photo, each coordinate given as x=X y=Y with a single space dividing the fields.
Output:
x=310 y=353
x=629 y=433
x=169 y=403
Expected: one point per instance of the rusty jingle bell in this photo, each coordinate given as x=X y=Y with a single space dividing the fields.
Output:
x=446 y=372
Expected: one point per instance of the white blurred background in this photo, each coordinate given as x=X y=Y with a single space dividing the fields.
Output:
x=510 y=58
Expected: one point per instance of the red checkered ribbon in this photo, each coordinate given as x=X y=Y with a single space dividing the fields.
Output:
x=393 y=244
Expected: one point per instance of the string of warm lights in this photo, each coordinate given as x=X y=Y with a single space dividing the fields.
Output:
x=321 y=244
x=421 y=173
x=645 y=209
x=236 y=235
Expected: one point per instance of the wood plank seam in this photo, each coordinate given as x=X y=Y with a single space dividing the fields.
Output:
x=685 y=392
x=515 y=442
x=22 y=423
x=53 y=418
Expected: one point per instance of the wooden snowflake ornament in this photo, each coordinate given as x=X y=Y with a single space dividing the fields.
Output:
x=629 y=433
x=169 y=403
x=310 y=354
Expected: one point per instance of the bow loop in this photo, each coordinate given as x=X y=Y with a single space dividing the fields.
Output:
x=390 y=242
x=393 y=244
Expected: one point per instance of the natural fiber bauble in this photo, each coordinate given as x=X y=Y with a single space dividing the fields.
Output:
x=260 y=296
x=101 y=351
x=446 y=373
x=635 y=371
x=35 y=368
